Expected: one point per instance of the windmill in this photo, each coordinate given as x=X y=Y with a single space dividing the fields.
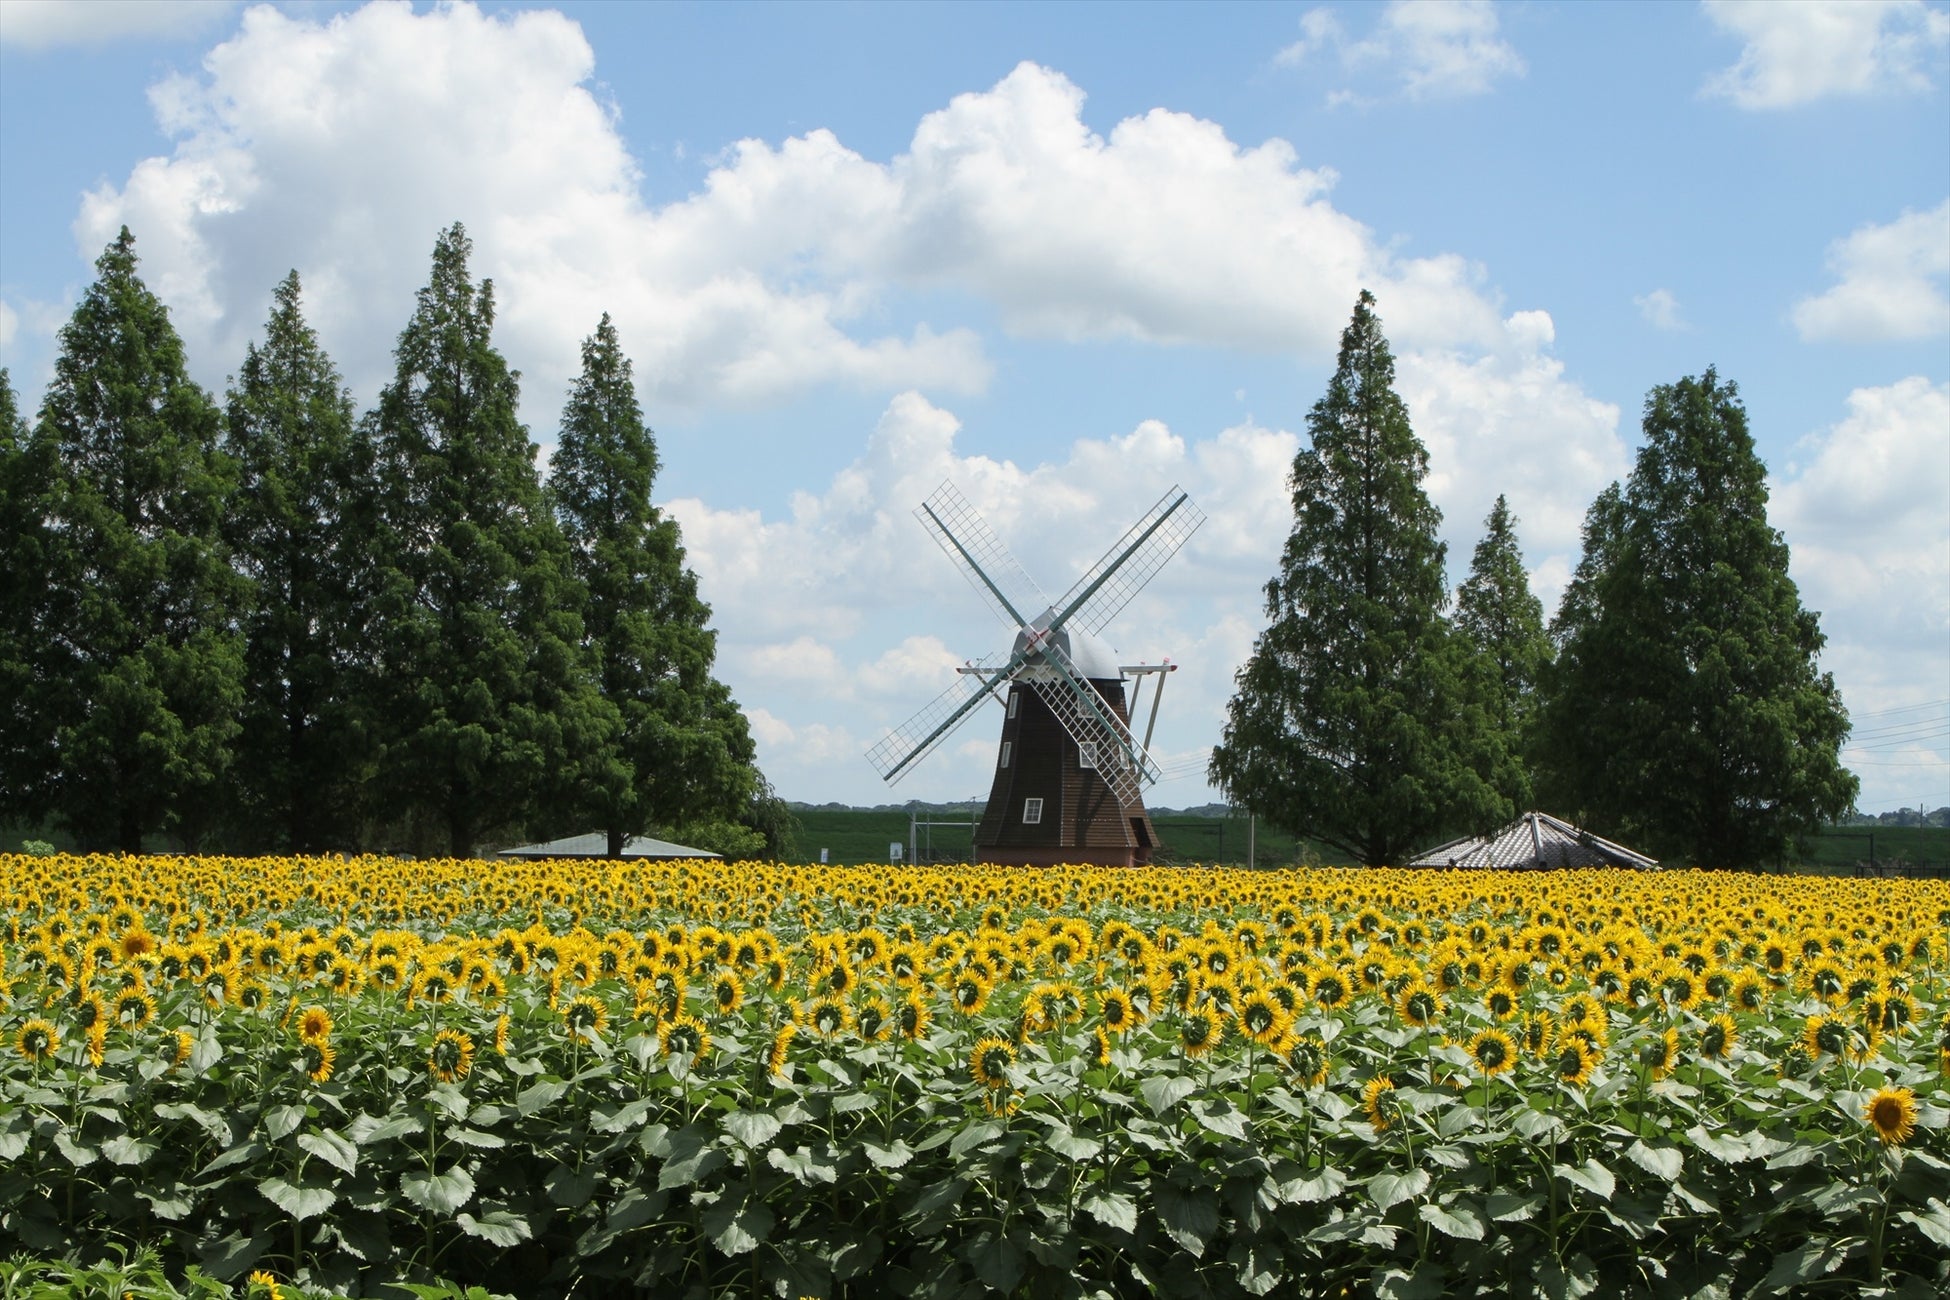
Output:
x=1069 y=773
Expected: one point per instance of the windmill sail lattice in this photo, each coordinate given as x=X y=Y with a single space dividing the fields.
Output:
x=1076 y=744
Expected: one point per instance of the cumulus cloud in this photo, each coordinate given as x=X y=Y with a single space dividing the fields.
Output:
x=1435 y=49
x=1660 y=310
x=1892 y=281
x=1812 y=49
x=1508 y=422
x=345 y=145
x=1866 y=509
x=47 y=24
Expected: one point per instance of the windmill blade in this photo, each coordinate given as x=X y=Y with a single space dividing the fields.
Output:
x=896 y=753
x=1138 y=555
x=959 y=529
x=1089 y=718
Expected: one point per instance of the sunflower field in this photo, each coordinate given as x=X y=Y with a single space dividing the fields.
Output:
x=329 y=1076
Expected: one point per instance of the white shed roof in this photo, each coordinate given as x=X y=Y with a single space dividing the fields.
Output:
x=1534 y=840
x=596 y=845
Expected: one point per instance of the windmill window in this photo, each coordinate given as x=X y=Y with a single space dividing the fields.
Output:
x=1005 y=755
x=1087 y=753
x=1032 y=812
x=1013 y=697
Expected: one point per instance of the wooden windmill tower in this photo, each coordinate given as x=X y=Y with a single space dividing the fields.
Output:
x=1069 y=773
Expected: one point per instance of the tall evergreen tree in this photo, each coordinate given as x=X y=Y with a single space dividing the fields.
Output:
x=143 y=688
x=1502 y=623
x=26 y=472
x=683 y=756
x=1350 y=724
x=1688 y=658
x=483 y=691
x=299 y=525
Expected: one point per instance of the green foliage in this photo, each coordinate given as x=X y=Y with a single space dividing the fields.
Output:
x=138 y=682
x=483 y=687
x=1351 y=722
x=26 y=474
x=37 y=849
x=1685 y=713
x=682 y=755
x=1499 y=619
x=298 y=524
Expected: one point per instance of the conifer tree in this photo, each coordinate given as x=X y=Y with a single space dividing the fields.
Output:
x=1350 y=723
x=682 y=758
x=143 y=684
x=1502 y=624
x=484 y=694
x=299 y=525
x=27 y=757
x=1688 y=712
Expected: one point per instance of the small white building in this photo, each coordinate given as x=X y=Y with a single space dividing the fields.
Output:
x=596 y=845
x=1532 y=842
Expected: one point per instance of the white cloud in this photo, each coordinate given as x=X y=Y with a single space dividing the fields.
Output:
x=46 y=24
x=1508 y=422
x=1436 y=49
x=1811 y=49
x=1892 y=282
x=1661 y=310
x=9 y=324
x=1866 y=510
x=345 y=146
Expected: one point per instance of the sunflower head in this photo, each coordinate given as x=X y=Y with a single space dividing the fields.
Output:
x=586 y=1016
x=1378 y=1099
x=990 y=1062
x=1200 y=1031
x=685 y=1039
x=1572 y=1061
x=1892 y=1114
x=1493 y=1051
x=1717 y=1039
x=315 y=1057
x=1307 y=1058
x=314 y=1025
x=911 y=1016
x=37 y=1040
x=451 y=1056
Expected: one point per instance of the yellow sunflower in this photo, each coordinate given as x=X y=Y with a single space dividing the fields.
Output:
x=1892 y=1113
x=775 y=1060
x=990 y=1062
x=451 y=1056
x=314 y=1025
x=586 y=1016
x=1200 y=1030
x=1377 y=1101
x=1717 y=1039
x=1573 y=1061
x=1493 y=1051
x=37 y=1040
x=912 y=1016
x=685 y=1039
x=317 y=1057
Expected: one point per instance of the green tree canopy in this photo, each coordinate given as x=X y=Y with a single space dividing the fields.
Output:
x=298 y=526
x=1350 y=724
x=1686 y=712
x=683 y=758
x=26 y=473
x=488 y=707
x=1500 y=620
x=141 y=687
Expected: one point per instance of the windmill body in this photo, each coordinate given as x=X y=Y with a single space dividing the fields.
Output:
x=1069 y=771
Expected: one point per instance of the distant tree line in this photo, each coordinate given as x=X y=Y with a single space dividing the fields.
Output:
x=1673 y=703
x=275 y=624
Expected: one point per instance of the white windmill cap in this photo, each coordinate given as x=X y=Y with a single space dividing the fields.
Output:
x=1094 y=659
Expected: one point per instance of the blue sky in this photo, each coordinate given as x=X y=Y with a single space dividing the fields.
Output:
x=1067 y=255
